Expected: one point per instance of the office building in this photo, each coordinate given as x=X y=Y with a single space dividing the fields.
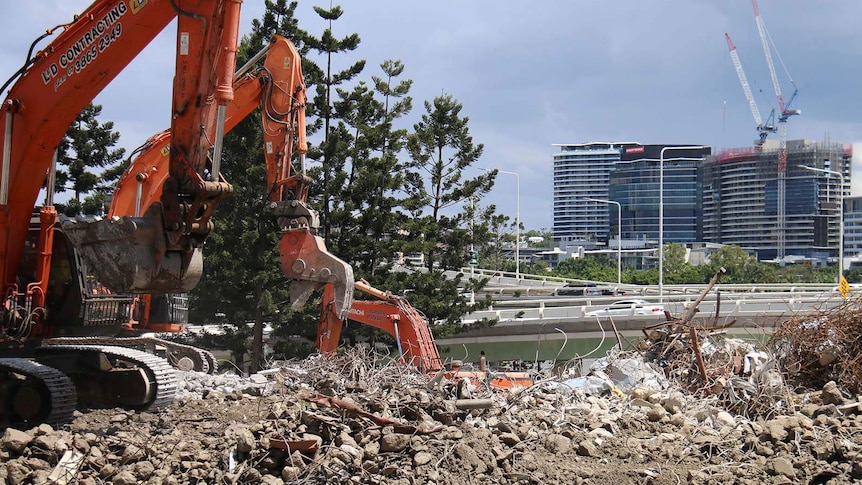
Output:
x=635 y=183
x=581 y=172
x=853 y=232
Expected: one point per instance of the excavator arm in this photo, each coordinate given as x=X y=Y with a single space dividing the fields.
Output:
x=304 y=256
x=410 y=329
x=160 y=252
x=390 y=313
x=47 y=93
x=279 y=90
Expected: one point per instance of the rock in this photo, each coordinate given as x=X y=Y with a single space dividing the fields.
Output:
x=831 y=394
x=774 y=430
x=144 y=469
x=394 y=442
x=16 y=473
x=271 y=480
x=656 y=413
x=510 y=439
x=556 y=443
x=371 y=449
x=422 y=458
x=15 y=440
x=245 y=441
x=124 y=478
x=470 y=457
x=724 y=418
x=783 y=466
x=451 y=433
x=588 y=448
x=131 y=454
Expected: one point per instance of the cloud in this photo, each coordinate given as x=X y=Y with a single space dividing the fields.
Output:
x=555 y=71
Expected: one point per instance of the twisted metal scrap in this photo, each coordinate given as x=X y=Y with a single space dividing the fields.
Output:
x=822 y=347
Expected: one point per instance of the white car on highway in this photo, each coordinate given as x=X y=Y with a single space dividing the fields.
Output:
x=624 y=308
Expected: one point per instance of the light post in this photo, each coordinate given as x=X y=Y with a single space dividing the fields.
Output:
x=619 y=236
x=517 y=220
x=661 y=213
x=840 y=215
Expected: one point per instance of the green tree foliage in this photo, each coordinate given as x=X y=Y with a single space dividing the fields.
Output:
x=740 y=266
x=677 y=271
x=376 y=175
x=242 y=268
x=592 y=268
x=334 y=149
x=441 y=149
x=86 y=149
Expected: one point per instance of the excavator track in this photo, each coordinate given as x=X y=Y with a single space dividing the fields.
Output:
x=33 y=393
x=181 y=356
x=108 y=376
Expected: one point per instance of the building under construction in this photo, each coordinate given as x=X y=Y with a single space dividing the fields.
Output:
x=740 y=201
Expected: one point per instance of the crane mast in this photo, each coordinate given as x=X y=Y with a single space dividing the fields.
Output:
x=784 y=114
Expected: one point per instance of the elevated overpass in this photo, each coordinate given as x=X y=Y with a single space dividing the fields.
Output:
x=531 y=319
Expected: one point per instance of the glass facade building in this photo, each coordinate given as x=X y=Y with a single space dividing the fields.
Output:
x=636 y=184
x=740 y=202
x=581 y=172
x=730 y=197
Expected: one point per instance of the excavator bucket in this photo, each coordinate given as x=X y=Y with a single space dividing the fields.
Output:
x=305 y=259
x=127 y=254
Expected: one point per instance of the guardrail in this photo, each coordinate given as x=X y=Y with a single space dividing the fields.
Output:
x=746 y=306
x=506 y=283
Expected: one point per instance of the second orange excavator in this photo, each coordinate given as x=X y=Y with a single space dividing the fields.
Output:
x=395 y=316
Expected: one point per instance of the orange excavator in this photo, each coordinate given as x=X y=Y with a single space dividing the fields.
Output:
x=159 y=251
x=144 y=179
x=395 y=316
x=278 y=88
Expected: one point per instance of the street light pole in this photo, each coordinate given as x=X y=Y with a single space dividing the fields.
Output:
x=661 y=213
x=619 y=236
x=517 y=220
x=841 y=214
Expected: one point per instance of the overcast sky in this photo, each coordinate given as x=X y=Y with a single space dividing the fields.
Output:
x=548 y=72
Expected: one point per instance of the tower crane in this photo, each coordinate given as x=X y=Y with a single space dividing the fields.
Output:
x=785 y=112
x=763 y=130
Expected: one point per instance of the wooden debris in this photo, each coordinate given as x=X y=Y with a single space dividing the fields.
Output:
x=67 y=469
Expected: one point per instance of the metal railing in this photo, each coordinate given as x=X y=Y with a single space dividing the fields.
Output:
x=739 y=305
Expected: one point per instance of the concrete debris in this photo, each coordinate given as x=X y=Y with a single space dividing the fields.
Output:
x=687 y=405
x=391 y=429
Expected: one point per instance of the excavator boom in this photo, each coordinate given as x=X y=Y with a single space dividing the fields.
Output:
x=161 y=251
x=390 y=313
x=279 y=90
x=53 y=88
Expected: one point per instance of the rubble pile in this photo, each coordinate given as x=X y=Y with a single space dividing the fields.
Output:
x=705 y=362
x=816 y=349
x=357 y=418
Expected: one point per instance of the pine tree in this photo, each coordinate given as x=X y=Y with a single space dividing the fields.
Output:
x=88 y=147
x=441 y=148
x=242 y=268
x=332 y=151
x=369 y=219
